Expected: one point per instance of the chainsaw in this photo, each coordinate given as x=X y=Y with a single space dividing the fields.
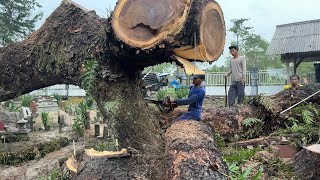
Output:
x=165 y=105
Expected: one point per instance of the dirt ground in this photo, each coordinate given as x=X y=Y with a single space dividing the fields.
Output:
x=41 y=168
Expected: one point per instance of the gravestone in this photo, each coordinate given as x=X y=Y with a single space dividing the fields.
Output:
x=60 y=122
x=8 y=117
x=22 y=125
x=88 y=120
x=96 y=130
x=26 y=112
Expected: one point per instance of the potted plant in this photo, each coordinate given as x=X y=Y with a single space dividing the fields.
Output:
x=45 y=119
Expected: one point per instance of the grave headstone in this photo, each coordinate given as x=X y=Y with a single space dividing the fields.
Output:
x=22 y=125
x=96 y=130
x=26 y=112
x=63 y=105
x=88 y=120
x=30 y=122
x=33 y=107
x=60 y=122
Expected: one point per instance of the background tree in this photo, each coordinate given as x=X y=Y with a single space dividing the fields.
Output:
x=252 y=46
x=240 y=30
x=16 y=19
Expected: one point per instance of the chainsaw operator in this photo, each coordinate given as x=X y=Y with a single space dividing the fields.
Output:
x=194 y=100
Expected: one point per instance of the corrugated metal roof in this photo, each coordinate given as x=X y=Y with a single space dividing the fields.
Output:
x=296 y=37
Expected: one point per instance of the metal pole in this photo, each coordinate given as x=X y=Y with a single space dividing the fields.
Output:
x=299 y=102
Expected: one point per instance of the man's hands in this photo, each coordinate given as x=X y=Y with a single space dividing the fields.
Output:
x=243 y=81
x=173 y=102
x=226 y=76
x=170 y=102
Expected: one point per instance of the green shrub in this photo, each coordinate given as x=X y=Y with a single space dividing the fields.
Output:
x=26 y=100
x=182 y=93
x=58 y=97
x=162 y=94
x=45 y=118
x=80 y=119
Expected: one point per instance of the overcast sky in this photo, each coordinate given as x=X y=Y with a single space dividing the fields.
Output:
x=264 y=15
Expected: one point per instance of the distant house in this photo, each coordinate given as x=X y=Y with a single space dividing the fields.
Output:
x=296 y=42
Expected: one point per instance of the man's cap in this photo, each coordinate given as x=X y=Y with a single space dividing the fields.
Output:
x=199 y=76
x=234 y=47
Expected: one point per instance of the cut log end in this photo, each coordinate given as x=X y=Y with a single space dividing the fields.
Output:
x=143 y=23
x=212 y=36
x=72 y=165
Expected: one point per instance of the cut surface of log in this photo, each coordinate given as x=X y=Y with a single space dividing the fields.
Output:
x=212 y=36
x=194 y=30
x=307 y=163
x=107 y=154
x=143 y=23
x=192 y=152
x=71 y=165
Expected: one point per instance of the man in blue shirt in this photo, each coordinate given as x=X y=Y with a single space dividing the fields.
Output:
x=195 y=100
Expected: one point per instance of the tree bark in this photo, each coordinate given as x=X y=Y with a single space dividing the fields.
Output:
x=307 y=162
x=192 y=152
x=228 y=121
x=55 y=53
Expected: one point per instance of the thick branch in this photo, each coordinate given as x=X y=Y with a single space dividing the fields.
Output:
x=53 y=54
x=193 y=30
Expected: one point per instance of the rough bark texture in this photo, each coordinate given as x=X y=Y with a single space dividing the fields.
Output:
x=165 y=32
x=228 y=121
x=53 y=54
x=192 y=152
x=307 y=163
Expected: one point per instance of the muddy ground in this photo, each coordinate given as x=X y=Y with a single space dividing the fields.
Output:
x=42 y=167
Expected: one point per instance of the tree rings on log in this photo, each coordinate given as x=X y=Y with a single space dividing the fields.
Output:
x=144 y=23
x=194 y=30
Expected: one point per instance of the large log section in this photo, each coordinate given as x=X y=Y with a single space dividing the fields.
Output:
x=140 y=33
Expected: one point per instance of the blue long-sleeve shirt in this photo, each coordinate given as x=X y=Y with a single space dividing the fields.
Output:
x=195 y=101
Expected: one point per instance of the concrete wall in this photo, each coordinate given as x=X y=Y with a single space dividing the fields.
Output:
x=220 y=91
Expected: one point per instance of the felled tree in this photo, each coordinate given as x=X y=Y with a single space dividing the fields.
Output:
x=139 y=34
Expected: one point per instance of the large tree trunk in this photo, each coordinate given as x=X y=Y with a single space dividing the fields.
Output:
x=228 y=121
x=138 y=34
x=192 y=152
x=307 y=162
x=53 y=54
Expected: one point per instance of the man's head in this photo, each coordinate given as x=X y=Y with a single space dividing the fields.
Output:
x=198 y=79
x=234 y=50
x=294 y=80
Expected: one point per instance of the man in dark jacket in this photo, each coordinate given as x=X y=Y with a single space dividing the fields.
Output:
x=194 y=100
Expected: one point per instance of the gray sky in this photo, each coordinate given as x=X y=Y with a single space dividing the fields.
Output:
x=264 y=15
